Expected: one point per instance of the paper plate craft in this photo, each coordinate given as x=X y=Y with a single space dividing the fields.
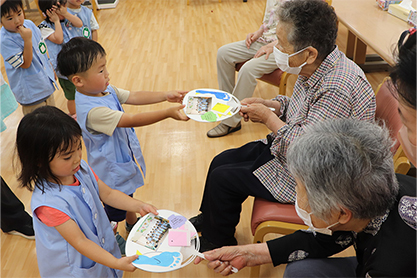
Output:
x=210 y=105
x=164 y=242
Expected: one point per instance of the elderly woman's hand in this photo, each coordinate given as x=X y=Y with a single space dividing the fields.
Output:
x=221 y=260
x=251 y=100
x=265 y=50
x=252 y=37
x=245 y=102
x=259 y=110
x=256 y=112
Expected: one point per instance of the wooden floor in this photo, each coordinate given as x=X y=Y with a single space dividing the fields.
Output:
x=162 y=45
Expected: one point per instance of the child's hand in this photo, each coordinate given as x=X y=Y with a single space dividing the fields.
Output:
x=146 y=208
x=125 y=263
x=177 y=113
x=52 y=15
x=25 y=33
x=176 y=96
x=62 y=10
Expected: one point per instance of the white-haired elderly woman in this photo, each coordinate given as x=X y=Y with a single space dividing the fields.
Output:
x=329 y=86
x=348 y=194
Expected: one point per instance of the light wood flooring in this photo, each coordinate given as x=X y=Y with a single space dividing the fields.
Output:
x=160 y=45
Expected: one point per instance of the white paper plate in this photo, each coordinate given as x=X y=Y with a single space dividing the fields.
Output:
x=165 y=258
x=210 y=105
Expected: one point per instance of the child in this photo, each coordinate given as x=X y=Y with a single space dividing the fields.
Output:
x=89 y=30
x=30 y=73
x=72 y=231
x=59 y=27
x=111 y=142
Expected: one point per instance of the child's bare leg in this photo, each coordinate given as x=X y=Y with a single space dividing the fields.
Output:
x=71 y=107
x=131 y=217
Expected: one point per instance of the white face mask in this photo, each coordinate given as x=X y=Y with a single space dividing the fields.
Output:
x=282 y=61
x=306 y=217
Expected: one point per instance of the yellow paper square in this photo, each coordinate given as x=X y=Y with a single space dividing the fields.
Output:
x=220 y=107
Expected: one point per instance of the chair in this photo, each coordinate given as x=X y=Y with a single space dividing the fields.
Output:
x=387 y=112
x=270 y=217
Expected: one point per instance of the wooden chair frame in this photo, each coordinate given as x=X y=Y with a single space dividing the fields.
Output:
x=277 y=227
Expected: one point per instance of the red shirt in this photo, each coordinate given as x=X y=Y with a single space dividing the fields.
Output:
x=52 y=217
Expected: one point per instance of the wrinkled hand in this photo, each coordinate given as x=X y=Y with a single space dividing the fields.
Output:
x=221 y=260
x=251 y=100
x=176 y=96
x=24 y=32
x=264 y=50
x=125 y=263
x=252 y=37
x=256 y=112
x=177 y=113
x=247 y=101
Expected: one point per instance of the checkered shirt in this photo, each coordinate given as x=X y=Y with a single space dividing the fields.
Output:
x=337 y=89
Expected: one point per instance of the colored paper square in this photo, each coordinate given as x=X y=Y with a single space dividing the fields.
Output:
x=178 y=238
x=220 y=107
x=176 y=221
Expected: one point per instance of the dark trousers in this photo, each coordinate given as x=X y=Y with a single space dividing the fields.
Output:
x=328 y=267
x=13 y=214
x=229 y=182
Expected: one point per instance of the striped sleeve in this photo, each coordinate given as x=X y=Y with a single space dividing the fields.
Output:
x=16 y=60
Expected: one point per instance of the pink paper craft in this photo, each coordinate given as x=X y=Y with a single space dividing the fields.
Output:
x=178 y=237
x=184 y=228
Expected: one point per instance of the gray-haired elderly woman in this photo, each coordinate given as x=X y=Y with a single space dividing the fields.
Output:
x=348 y=194
x=329 y=86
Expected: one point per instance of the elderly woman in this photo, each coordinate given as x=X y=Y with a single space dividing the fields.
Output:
x=348 y=194
x=329 y=86
x=346 y=184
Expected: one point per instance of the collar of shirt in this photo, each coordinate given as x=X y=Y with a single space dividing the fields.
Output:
x=325 y=66
x=375 y=224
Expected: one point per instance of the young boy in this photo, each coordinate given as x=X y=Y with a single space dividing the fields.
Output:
x=58 y=28
x=28 y=69
x=112 y=145
x=89 y=30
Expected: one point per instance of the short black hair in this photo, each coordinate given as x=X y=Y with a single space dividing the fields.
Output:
x=77 y=56
x=314 y=24
x=42 y=134
x=45 y=5
x=403 y=74
x=11 y=5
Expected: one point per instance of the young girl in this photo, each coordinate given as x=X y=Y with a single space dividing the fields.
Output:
x=73 y=234
x=58 y=28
